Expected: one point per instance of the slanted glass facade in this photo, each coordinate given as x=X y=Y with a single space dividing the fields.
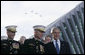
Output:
x=72 y=28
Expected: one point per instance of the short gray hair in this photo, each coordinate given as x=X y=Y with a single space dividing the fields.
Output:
x=54 y=28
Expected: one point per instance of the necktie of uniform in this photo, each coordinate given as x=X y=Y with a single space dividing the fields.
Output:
x=57 y=48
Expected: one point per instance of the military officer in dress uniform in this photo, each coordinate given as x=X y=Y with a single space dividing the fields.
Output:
x=10 y=46
x=35 y=45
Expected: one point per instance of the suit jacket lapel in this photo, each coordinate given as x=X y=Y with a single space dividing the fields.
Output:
x=54 y=47
x=61 y=46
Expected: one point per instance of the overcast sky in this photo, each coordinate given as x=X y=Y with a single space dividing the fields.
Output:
x=26 y=14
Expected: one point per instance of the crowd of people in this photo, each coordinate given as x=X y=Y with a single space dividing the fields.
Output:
x=51 y=44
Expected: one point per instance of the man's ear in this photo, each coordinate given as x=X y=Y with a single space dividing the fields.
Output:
x=7 y=32
x=52 y=34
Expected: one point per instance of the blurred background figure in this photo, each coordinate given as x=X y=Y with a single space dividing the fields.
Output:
x=47 y=39
x=3 y=37
x=22 y=39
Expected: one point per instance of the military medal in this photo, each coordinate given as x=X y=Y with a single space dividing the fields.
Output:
x=41 y=49
x=37 y=50
x=15 y=45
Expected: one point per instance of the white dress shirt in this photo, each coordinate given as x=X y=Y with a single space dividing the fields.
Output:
x=58 y=41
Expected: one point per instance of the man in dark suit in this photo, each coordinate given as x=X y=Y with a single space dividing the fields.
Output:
x=35 y=45
x=57 y=46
